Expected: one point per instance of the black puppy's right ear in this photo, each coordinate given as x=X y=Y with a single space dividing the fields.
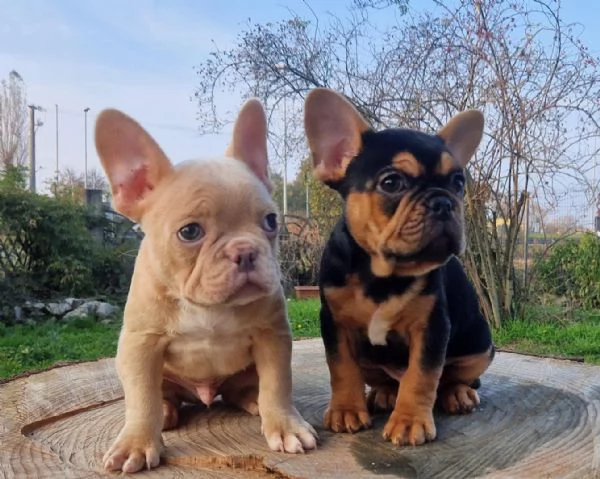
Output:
x=334 y=129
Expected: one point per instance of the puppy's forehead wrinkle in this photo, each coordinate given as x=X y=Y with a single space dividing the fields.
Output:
x=201 y=189
x=394 y=147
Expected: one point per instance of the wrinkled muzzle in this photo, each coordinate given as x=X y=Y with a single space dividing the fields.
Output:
x=427 y=227
x=235 y=271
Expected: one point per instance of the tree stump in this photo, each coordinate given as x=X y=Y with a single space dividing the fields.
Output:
x=539 y=418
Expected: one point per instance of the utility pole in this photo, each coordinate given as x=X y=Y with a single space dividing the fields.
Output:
x=526 y=240
x=56 y=178
x=284 y=156
x=281 y=68
x=85 y=176
x=307 y=195
x=32 y=127
x=596 y=182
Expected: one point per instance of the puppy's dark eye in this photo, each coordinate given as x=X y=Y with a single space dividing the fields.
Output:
x=458 y=181
x=392 y=183
x=190 y=232
x=269 y=223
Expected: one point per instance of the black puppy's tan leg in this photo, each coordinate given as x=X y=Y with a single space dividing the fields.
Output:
x=412 y=422
x=455 y=393
x=347 y=411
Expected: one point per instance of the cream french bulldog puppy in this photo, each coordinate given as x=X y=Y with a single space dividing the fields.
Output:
x=206 y=314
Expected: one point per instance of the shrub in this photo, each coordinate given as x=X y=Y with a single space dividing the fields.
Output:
x=47 y=249
x=300 y=253
x=572 y=270
x=13 y=178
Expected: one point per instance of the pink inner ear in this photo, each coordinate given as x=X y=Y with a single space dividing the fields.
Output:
x=249 y=142
x=133 y=186
x=257 y=162
x=341 y=152
x=333 y=158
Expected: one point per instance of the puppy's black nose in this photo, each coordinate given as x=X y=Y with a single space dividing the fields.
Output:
x=441 y=207
x=245 y=261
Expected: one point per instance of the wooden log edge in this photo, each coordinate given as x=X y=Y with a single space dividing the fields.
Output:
x=539 y=418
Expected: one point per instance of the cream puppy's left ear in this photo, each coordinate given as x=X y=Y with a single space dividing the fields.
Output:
x=132 y=160
x=249 y=141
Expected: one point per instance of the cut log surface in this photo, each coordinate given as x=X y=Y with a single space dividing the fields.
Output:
x=538 y=418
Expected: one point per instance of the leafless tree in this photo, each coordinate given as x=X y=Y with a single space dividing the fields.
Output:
x=71 y=183
x=517 y=61
x=13 y=116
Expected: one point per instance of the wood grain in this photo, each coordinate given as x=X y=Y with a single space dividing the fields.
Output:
x=538 y=418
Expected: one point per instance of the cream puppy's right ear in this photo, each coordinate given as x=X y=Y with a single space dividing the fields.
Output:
x=132 y=160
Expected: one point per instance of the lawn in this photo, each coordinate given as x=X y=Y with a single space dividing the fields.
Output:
x=546 y=331
x=33 y=347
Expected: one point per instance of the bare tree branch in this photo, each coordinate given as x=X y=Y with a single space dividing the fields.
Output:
x=13 y=115
x=518 y=62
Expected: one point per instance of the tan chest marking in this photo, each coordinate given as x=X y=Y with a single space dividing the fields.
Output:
x=389 y=312
x=349 y=305
x=400 y=313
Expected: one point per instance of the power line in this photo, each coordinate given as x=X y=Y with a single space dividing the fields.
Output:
x=163 y=126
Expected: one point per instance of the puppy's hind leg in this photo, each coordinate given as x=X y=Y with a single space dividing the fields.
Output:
x=457 y=391
x=171 y=402
x=383 y=392
x=241 y=390
x=170 y=415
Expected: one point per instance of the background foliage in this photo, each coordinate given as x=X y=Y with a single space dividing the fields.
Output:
x=572 y=271
x=55 y=247
x=519 y=62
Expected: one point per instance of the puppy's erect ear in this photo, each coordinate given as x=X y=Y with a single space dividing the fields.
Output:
x=333 y=129
x=462 y=135
x=132 y=160
x=249 y=142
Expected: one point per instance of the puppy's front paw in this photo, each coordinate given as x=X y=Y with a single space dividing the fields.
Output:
x=289 y=432
x=414 y=428
x=459 y=399
x=346 y=420
x=132 y=452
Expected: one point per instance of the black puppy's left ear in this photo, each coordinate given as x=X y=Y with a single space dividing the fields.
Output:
x=462 y=135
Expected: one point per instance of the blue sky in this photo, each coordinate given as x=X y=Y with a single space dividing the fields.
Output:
x=135 y=55
x=138 y=56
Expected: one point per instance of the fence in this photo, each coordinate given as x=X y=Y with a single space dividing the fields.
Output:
x=546 y=224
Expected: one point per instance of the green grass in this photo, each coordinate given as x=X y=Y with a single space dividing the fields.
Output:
x=304 y=318
x=33 y=347
x=543 y=331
